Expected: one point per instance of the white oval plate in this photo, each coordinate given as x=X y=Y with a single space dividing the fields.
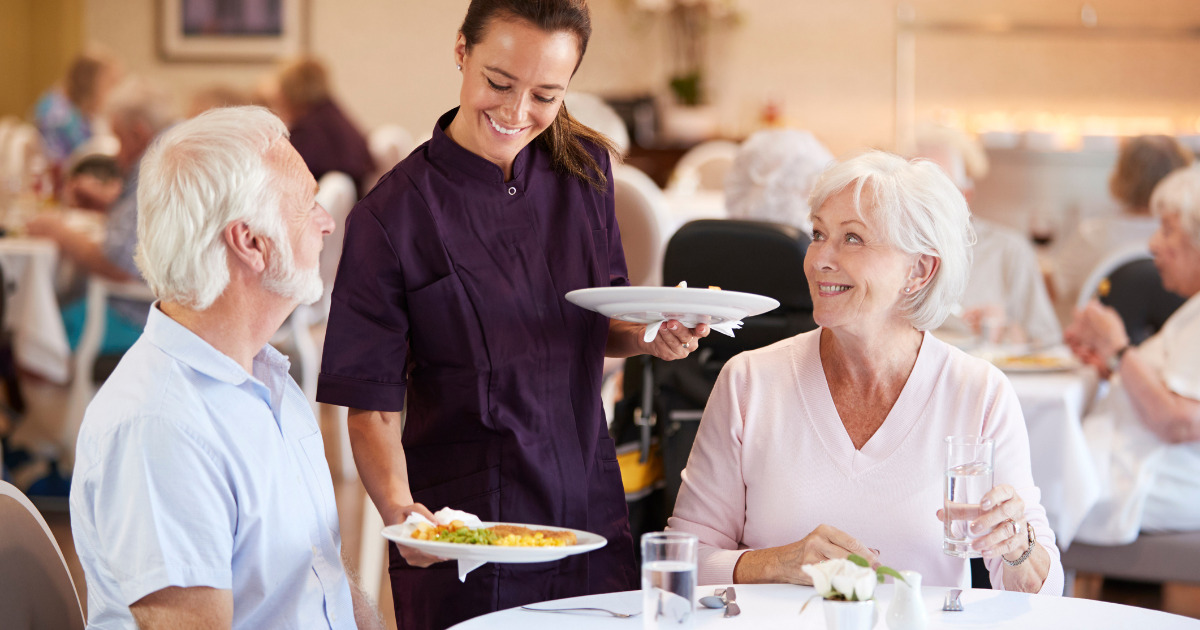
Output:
x=584 y=542
x=646 y=305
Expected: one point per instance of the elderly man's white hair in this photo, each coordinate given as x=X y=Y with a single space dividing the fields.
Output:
x=960 y=155
x=197 y=178
x=1179 y=194
x=772 y=176
x=919 y=211
x=137 y=100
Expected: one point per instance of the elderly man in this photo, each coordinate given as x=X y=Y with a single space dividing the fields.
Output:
x=201 y=495
x=1006 y=298
x=137 y=112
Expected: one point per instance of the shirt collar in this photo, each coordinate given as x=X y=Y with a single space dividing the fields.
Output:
x=188 y=348
x=444 y=150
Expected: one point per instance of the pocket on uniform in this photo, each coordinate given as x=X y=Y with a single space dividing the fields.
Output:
x=443 y=327
x=477 y=493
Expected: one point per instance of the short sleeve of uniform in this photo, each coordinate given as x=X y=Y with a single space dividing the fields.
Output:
x=1180 y=339
x=366 y=342
x=164 y=509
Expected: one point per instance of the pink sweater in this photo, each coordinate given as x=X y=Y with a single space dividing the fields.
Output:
x=772 y=461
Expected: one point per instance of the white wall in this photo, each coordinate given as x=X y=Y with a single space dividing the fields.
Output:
x=830 y=64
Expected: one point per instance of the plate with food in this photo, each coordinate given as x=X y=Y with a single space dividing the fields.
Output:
x=1034 y=362
x=688 y=306
x=494 y=542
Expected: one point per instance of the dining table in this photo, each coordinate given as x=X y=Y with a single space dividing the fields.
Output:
x=1054 y=403
x=768 y=606
x=31 y=307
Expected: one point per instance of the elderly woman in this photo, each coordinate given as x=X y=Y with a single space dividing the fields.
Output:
x=1145 y=434
x=772 y=176
x=830 y=442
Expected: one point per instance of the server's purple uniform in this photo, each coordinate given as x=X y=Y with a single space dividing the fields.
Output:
x=450 y=288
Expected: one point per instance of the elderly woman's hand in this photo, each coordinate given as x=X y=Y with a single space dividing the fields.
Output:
x=676 y=341
x=782 y=564
x=1096 y=334
x=1003 y=532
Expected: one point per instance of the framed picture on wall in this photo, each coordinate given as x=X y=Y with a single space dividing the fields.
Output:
x=230 y=30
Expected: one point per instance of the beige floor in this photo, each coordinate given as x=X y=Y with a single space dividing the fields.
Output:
x=1176 y=598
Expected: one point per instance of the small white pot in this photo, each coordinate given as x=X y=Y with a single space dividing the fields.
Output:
x=841 y=615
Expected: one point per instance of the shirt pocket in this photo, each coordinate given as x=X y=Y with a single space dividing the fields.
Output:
x=321 y=484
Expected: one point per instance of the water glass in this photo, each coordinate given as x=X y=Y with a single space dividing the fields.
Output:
x=668 y=580
x=968 y=478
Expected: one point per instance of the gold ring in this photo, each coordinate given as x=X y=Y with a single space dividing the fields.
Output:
x=685 y=344
x=1015 y=529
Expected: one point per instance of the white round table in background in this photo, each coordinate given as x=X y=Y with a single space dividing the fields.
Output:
x=768 y=606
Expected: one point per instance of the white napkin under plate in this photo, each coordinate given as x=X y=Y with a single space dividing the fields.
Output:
x=725 y=328
x=445 y=516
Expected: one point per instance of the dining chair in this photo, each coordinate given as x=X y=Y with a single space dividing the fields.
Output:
x=36 y=590
x=1154 y=558
x=643 y=216
x=83 y=383
x=594 y=112
x=754 y=257
x=668 y=397
x=388 y=145
x=1129 y=282
x=703 y=167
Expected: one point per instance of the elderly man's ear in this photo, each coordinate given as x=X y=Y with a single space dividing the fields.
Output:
x=246 y=247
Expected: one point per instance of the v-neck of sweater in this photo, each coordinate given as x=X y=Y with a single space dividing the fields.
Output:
x=897 y=426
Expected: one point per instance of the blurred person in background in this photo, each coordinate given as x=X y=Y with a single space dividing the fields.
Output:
x=772 y=176
x=1142 y=163
x=64 y=114
x=320 y=131
x=1006 y=298
x=216 y=95
x=137 y=111
x=1145 y=433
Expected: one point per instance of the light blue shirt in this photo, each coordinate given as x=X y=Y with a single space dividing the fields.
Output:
x=191 y=472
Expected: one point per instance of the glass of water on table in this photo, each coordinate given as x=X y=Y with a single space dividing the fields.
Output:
x=968 y=478
x=668 y=580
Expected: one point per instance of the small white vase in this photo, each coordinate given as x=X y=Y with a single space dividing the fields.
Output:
x=907 y=610
x=841 y=615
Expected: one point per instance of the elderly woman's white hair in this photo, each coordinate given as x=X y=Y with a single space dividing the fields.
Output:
x=197 y=178
x=772 y=176
x=919 y=211
x=1179 y=194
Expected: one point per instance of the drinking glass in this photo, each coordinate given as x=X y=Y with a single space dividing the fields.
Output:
x=968 y=478
x=668 y=580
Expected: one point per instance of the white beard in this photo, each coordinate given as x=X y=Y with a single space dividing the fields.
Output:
x=284 y=279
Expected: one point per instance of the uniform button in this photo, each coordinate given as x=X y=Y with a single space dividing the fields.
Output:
x=512 y=190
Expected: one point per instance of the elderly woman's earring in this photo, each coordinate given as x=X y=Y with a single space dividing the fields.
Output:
x=908 y=289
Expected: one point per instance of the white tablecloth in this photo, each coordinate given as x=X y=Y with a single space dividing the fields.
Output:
x=32 y=311
x=769 y=606
x=1054 y=404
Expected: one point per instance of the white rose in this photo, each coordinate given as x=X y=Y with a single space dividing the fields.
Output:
x=842 y=577
x=820 y=576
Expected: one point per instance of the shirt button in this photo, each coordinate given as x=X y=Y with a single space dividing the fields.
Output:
x=314 y=550
x=512 y=190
